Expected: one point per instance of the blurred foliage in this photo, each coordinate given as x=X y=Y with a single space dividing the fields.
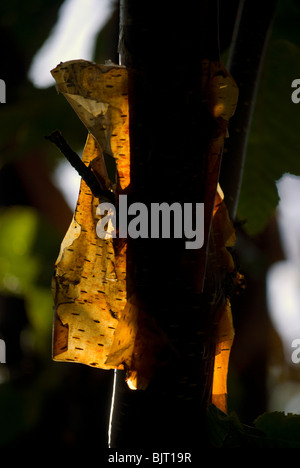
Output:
x=37 y=396
x=274 y=140
x=26 y=263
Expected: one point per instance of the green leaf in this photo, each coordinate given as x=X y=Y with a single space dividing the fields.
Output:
x=226 y=431
x=280 y=428
x=270 y=430
x=274 y=139
x=28 y=247
x=39 y=307
x=18 y=268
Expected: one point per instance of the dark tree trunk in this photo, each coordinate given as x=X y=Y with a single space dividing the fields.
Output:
x=170 y=129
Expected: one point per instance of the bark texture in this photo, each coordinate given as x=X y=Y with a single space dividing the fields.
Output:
x=170 y=129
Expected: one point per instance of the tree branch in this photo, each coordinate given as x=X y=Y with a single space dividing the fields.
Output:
x=84 y=171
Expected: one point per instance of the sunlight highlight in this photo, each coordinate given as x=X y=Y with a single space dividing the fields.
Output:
x=283 y=279
x=72 y=37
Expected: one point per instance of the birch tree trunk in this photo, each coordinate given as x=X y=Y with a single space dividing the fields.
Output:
x=170 y=129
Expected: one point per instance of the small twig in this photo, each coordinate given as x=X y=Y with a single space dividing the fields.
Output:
x=84 y=171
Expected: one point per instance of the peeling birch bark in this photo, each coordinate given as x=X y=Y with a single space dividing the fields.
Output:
x=89 y=285
x=95 y=322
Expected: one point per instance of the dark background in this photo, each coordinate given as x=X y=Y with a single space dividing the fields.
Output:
x=48 y=403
